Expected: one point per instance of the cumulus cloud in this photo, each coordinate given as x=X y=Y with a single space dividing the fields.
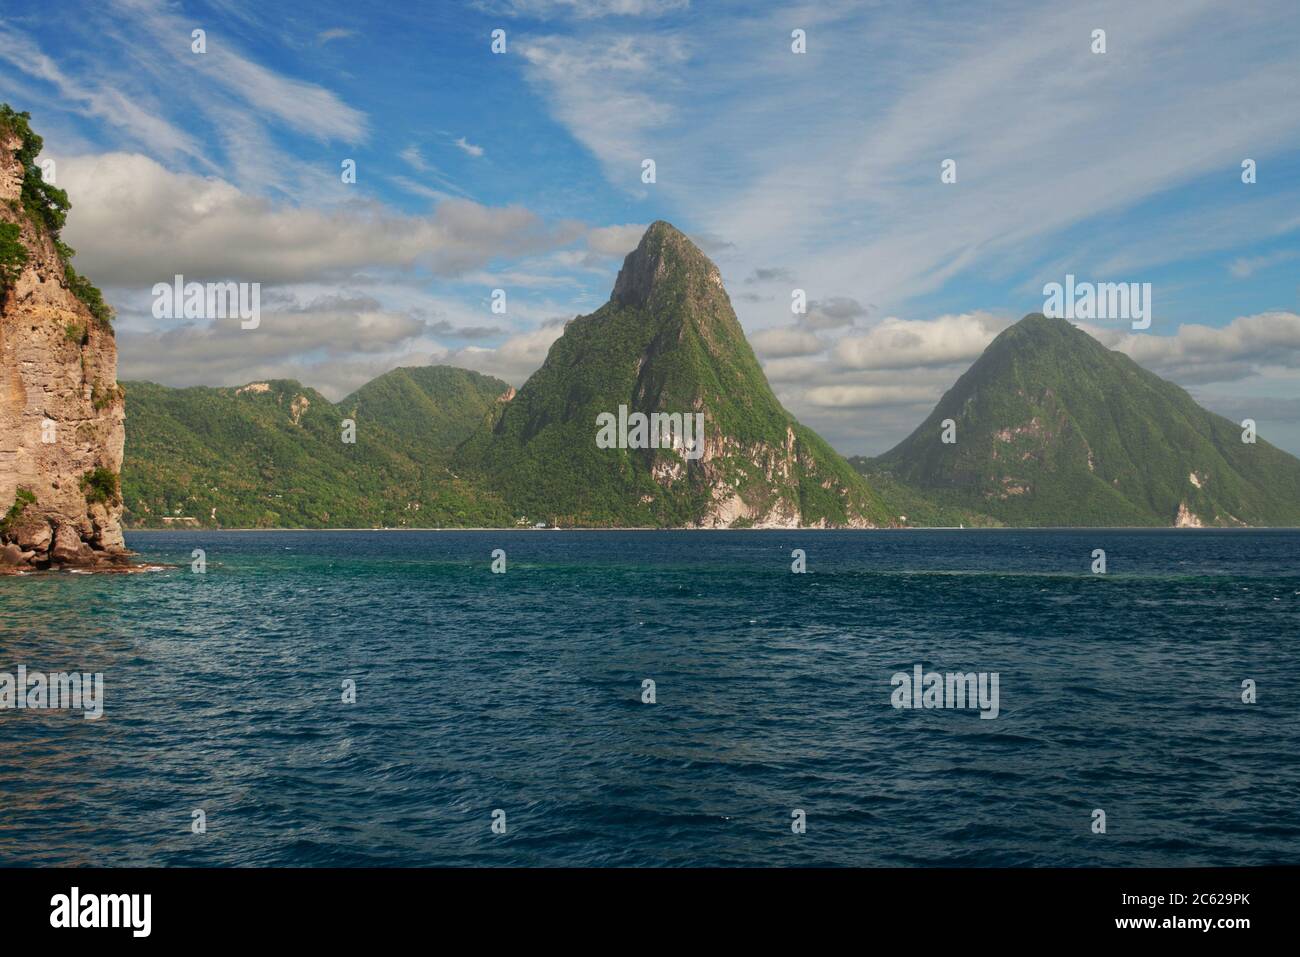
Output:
x=333 y=343
x=834 y=312
x=514 y=360
x=444 y=328
x=855 y=396
x=901 y=343
x=894 y=371
x=1198 y=354
x=785 y=341
x=787 y=370
x=220 y=352
x=615 y=240
x=136 y=223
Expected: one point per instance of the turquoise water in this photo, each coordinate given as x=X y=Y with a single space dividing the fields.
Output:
x=523 y=692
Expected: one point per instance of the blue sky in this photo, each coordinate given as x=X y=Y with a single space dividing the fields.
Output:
x=818 y=171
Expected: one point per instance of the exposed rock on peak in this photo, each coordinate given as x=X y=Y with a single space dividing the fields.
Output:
x=665 y=269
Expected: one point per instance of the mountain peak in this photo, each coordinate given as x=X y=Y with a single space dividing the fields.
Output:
x=666 y=348
x=1037 y=333
x=1049 y=427
x=665 y=262
x=1036 y=322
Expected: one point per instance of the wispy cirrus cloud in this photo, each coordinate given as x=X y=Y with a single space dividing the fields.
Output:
x=305 y=107
x=582 y=9
x=611 y=92
x=334 y=33
x=1246 y=266
x=100 y=100
x=468 y=148
x=846 y=190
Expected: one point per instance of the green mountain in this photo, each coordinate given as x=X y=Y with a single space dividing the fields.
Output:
x=1052 y=428
x=429 y=409
x=667 y=342
x=272 y=454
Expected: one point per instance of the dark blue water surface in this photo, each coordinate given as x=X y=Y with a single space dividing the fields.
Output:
x=522 y=691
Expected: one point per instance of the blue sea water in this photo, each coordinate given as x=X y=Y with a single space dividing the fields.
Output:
x=523 y=692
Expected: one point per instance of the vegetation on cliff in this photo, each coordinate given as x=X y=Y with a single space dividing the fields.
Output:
x=101 y=485
x=46 y=206
x=24 y=498
x=13 y=256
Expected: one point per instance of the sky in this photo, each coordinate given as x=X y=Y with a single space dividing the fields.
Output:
x=822 y=171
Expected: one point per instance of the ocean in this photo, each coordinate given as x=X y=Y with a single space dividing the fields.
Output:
x=520 y=699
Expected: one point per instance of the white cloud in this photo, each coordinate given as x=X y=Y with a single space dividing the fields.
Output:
x=101 y=100
x=1246 y=266
x=615 y=240
x=763 y=147
x=306 y=107
x=583 y=9
x=514 y=360
x=857 y=396
x=834 y=312
x=610 y=92
x=334 y=33
x=1247 y=346
x=135 y=223
x=331 y=342
x=785 y=341
x=468 y=147
x=219 y=112
x=293 y=340
x=414 y=158
x=901 y=343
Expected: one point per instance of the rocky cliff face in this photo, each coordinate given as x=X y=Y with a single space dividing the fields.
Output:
x=61 y=411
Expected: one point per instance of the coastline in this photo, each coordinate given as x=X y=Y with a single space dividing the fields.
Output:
x=797 y=528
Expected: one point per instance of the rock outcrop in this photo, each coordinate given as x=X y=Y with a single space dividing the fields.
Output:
x=61 y=410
